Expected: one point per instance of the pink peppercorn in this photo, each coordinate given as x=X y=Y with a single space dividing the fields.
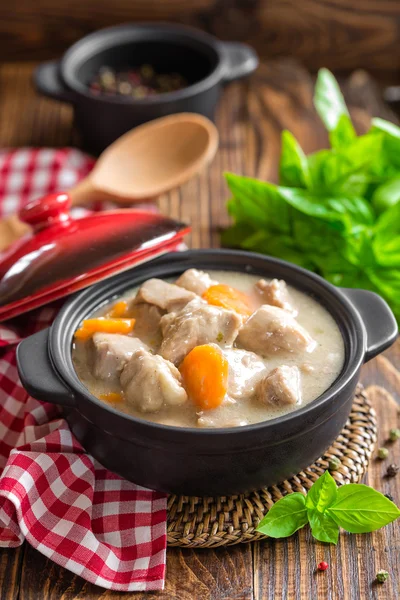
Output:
x=323 y=566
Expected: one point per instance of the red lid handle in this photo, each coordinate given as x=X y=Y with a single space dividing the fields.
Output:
x=46 y=211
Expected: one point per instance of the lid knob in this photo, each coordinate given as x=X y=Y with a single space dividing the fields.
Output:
x=46 y=211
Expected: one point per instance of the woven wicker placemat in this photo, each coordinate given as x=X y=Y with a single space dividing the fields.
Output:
x=206 y=522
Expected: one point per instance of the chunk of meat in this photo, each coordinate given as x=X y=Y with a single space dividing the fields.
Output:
x=195 y=281
x=275 y=292
x=219 y=421
x=147 y=325
x=167 y=296
x=195 y=325
x=168 y=318
x=280 y=387
x=245 y=371
x=151 y=382
x=307 y=367
x=271 y=329
x=110 y=352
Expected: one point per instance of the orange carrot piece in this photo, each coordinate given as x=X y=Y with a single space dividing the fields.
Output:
x=118 y=310
x=228 y=297
x=91 y=326
x=205 y=376
x=112 y=397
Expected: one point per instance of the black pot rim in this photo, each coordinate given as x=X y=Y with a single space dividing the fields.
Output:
x=184 y=32
x=176 y=262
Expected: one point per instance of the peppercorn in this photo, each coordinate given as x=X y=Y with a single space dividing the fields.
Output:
x=389 y=497
x=138 y=82
x=394 y=435
x=323 y=566
x=147 y=71
x=124 y=88
x=392 y=470
x=383 y=453
x=334 y=463
x=381 y=576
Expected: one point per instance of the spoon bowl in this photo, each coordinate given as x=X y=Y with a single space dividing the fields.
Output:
x=156 y=157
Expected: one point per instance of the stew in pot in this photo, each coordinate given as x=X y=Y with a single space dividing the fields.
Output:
x=216 y=349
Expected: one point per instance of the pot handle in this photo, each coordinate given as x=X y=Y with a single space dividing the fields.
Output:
x=37 y=373
x=239 y=60
x=379 y=321
x=47 y=81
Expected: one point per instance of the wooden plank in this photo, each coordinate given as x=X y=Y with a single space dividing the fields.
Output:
x=287 y=568
x=11 y=560
x=191 y=575
x=31 y=120
x=332 y=33
x=384 y=370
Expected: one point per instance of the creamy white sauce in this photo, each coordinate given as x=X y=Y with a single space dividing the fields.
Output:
x=318 y=369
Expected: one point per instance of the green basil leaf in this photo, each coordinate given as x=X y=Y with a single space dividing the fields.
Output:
x=322 y=493
x=391 y=140
x=386 y=240
x=388 y=223
x=357 y=249
x=293 y=167
x=332 y=109
x=235 y=235
x=285 y=517
x=343 y=133
x=356 y=279
x=311 y=205
x=361 y=509
x=280 y=246
x=257 y=203
x=316 y=236
x=358 y=209
x=342 y=213
x=346 y=171
x=386 y=195
x=382 y=126
x=323 y=527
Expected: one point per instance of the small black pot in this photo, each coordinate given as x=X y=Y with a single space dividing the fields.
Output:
x=205 y=62
x=205 y=461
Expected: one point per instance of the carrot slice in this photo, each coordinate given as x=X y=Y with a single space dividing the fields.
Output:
x=91 y=326
x=118 y=310
x=228 y=297
x=112 y=397
x=205 y=376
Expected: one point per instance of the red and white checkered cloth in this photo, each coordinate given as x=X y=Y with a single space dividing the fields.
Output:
x=52 y=493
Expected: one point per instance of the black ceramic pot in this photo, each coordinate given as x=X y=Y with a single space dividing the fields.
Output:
x=205 y=62
x=204 y=461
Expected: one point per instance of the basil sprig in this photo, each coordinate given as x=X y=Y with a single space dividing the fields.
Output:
x=355 y=507
x=335 y=211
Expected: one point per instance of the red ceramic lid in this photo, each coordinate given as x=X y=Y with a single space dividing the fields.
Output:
x=64 y=255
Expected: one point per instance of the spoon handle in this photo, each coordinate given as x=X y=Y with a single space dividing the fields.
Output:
x=11 y=229
x=84 y=192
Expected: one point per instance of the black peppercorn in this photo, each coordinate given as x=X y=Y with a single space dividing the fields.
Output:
x=392 y=470
x=139 y=82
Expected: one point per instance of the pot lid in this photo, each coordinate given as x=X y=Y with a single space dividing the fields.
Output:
x=63 y=254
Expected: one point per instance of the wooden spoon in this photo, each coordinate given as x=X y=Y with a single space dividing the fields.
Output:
x=142 y=164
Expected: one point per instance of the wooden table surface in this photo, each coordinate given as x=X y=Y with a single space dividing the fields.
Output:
x=250 y=118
